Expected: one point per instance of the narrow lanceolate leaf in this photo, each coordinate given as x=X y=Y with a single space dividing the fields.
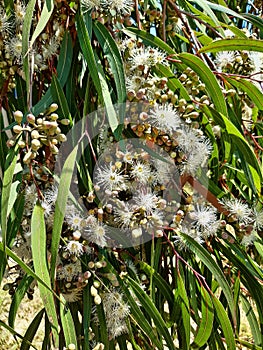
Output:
x=205 y=328
x=67 y=324
x=44 y=18
x=152 y=311
x=6 y=193
x=112 y=53
x=252 y=320
x=252 y=91
x=39 y=254
x=205 y=74
x=205 y=257
x=150 y=40
x=25 y=40
x=182 y=297
x=17 y=298
x=60 y=98
x=234 y=44
x=12 y=331
x=88 y=53
x=225 y=324
x=31 y=331
x=60 y=208
x=63 y=69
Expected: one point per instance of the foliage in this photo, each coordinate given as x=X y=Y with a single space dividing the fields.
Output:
x=131 y=171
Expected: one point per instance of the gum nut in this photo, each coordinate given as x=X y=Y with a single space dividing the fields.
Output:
x=31 y=118
x=17 y=129
x=18 y=116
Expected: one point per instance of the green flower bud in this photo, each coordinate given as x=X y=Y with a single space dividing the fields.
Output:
x=35 y=144
x=54 y=116
x=21 y=144
x=64 y=121
x=53 y=107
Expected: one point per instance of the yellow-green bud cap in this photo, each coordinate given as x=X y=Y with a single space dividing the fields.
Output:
x=18 y=116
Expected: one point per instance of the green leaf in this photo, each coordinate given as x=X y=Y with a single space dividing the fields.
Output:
x=88 y=53
x=18 y=297
x=67 y=323
x=112 y=53
x=256 y=20
x=225 y=324
x=39 y=255
x=150 y=40
x=252 y=319
x=59 y=97
x=103 y=334
x=204 y=329
x=43 y=20
x=251 y=166
x=60 y=208
x=12 y=331
x=208 y=78
x=31 y=330
x=219 y=276
x=247 y=86
x=6 y=198
x=63 y=69
x=25 y=41
x=181 y=295
x=152 y=311
x=234 y=44
x=204 y=5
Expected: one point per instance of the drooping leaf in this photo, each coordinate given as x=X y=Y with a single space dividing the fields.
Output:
x=38 y=245
x=205 y=327
x=112 y=53
x=60 y=207
x=67 y=324
x=233 y=45
x=43 y=20
x=208 y=78
x=31 y=330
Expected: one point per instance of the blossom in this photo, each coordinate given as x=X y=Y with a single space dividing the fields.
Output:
x=248 y=239
x=73 y=295
x=146 y=57
x=4 y=22
x=146 y=200
x=257 y=217
x=110 y=178
x=75 y=248
x=123 y=7
x=14 y=48
x=141 y=172
x=205 y=220
x=165 y=118
x=97 y=234
x=239 y=209
x=224 y=59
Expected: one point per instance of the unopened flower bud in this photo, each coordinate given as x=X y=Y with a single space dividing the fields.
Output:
x=17 y=129
x=27 y=157
x=93 y=291
x=35 y=144
x=54 y=116
x=54 y=149
x=53 y=107
x=18 y=116
x=21 y=144
x=31 y=118
x=97 y=299
x=64 y=121
x=35 y=134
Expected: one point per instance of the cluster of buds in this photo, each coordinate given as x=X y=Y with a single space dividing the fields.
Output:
x=36 y=134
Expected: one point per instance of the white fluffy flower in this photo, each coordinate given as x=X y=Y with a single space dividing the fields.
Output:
x=205 y=220
x=74 y=248
x=224 y=59
x=239 y=209
x=96 y=234
x=165 y=118
x=146 y=57
x=109 y=178
x=142 y=172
